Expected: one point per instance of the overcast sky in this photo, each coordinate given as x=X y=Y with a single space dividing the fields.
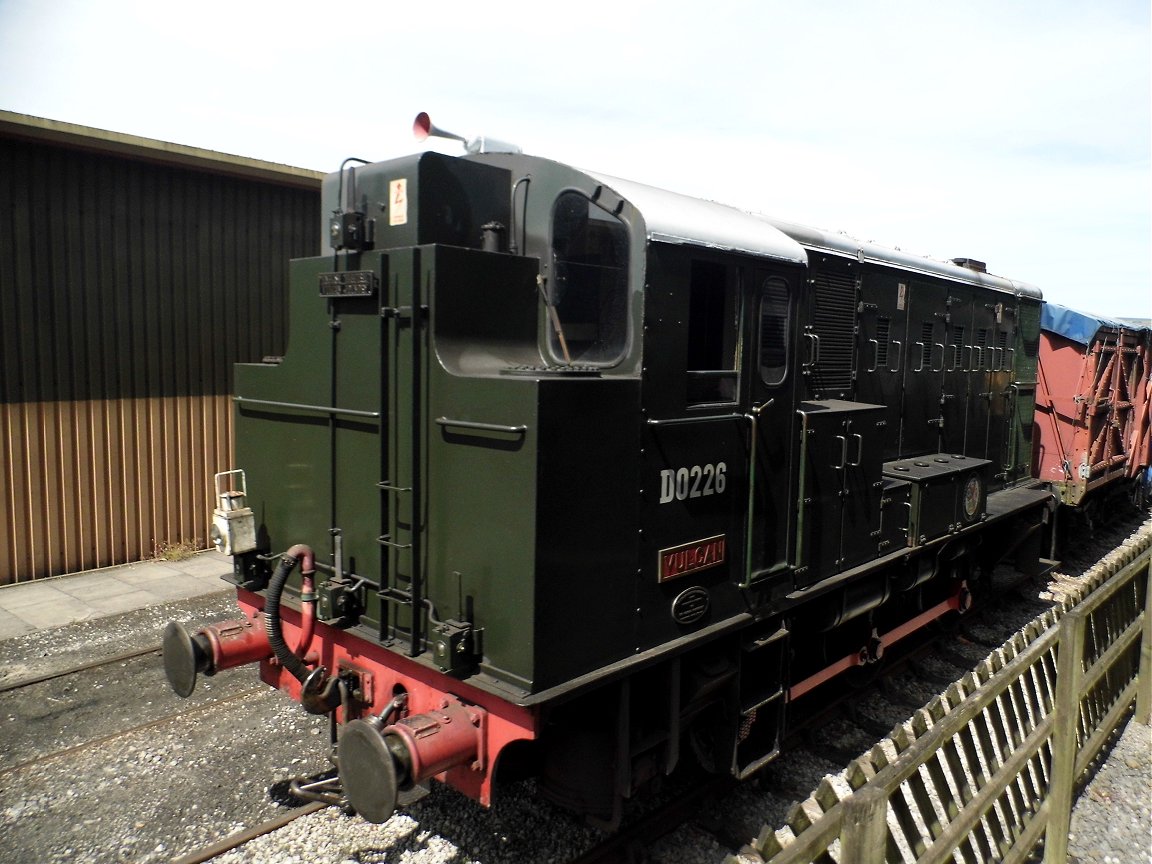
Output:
x=1016 y=133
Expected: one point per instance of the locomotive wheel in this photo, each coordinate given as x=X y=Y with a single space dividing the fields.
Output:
x=367 y=771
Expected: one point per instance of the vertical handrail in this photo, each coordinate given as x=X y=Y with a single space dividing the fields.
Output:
x=899 y=356
x=932 y=354
x=417 y=469
x=389 y=485
x=389 y=590
x=753 y=418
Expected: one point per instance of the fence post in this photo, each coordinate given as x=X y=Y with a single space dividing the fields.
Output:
x=1065 y=722
x=864 y=829
x=1144 y=677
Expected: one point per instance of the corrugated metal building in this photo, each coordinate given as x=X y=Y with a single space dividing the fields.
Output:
x=133 y=274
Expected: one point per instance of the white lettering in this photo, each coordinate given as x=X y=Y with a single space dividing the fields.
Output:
x=696 y=473
x=695 y=481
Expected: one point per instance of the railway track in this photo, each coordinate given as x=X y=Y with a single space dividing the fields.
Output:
x=239 y=838
x=103 y=736
x=112 y=737
x=71 y=702
x=30 y=680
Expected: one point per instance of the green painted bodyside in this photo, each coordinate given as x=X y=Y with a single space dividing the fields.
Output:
x=481 y=513
x=424 y=425
x=522 y=564
x=288 y=454
x=532 y=521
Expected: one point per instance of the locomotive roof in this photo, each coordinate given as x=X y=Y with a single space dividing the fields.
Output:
x=674 y=218
x=846 y=245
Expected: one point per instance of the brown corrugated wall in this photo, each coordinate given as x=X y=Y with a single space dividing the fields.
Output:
x=128 y=288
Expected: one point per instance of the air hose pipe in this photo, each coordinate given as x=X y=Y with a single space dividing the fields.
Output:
x=286 y=656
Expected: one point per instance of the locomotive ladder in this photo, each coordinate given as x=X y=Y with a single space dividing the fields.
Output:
x=400 y=319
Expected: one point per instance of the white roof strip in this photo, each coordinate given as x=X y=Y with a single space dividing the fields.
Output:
x=673 y=218
x=844 y=244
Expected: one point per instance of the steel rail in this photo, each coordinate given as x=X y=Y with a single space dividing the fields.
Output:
x=104 y=739
x=233 y=841
x=83 y=667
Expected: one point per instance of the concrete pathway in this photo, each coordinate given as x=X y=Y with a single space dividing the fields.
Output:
x=47 y=603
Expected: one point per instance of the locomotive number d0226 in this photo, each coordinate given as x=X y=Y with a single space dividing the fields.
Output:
x=697 y=481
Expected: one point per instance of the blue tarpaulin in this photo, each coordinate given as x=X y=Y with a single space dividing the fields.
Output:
x=1077 y=326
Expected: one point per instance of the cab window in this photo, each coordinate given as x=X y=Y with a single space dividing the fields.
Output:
x=713 y=329
x=588 y=291
x=773 y=330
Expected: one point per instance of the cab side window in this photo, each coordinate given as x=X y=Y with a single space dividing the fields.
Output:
x=773 y=330
x=589 y=286
x=713 y=328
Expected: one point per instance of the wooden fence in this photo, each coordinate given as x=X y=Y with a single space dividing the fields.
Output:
x=990 y=769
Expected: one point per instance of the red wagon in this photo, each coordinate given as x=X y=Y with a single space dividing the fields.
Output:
x=1092 y=405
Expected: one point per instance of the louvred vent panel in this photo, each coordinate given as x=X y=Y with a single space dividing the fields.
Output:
x=834 y=321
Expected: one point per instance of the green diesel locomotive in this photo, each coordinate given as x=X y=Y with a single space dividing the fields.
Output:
x=586 y=478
